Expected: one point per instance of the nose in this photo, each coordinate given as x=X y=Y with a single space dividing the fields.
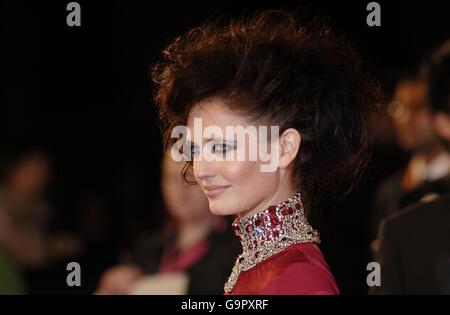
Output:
x=203 y=169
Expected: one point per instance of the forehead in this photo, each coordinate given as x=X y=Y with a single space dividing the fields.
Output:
x=410 y=91
x=215 y=112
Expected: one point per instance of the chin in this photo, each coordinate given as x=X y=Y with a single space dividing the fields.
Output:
x=219 y=209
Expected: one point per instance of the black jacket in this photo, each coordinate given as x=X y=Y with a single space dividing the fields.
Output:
x=414 y=252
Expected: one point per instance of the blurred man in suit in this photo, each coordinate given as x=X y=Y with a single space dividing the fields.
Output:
x=427 y=172
x=414 y=252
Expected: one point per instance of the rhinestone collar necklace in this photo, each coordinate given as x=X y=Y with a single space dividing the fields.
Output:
x=268 y=232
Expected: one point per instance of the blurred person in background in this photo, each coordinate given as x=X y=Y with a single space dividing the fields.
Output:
x=427 y=173
x=29 y=252
x=24 y=214
x=414 y=252
x=192 y=255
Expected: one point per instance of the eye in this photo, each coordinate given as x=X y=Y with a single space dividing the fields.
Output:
x=195 y=149
x=222 y=148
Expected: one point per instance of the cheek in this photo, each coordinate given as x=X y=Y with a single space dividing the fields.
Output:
x=169 y=193
x=246 y=176
x=425 y=122
x=248 y=186
x=196 y=200
x=239 y=172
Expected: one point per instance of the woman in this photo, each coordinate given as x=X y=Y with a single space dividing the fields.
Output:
x=191 y=256
x=307 y=85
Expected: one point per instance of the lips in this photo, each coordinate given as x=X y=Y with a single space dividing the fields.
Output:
x=213 y=191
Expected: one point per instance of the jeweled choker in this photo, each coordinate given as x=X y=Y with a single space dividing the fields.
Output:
x=268 y=232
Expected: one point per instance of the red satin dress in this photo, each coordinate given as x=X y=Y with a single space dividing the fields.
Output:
x=300 y=269
x=280 y=255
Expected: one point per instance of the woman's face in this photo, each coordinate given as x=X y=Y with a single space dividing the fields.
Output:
x=185 y=202
x=31 y=173
x=231 y=186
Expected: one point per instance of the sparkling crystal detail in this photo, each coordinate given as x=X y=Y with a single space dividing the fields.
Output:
x=274 y=219
x=268 y=232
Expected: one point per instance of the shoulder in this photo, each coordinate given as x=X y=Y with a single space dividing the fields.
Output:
x=418 y=228
x=427 y=214
x=304 y=272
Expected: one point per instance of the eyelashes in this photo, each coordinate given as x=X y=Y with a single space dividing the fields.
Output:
x=222 y=148
x=217 y=148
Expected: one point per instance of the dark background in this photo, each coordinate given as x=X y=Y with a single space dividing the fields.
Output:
x=83 y=93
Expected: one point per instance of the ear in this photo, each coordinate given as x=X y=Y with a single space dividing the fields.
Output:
x=441 y=125
x=290 y=141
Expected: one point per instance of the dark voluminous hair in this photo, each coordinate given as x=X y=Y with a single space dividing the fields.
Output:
x=269 y=66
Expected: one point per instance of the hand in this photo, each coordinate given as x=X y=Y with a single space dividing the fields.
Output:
x=119 y=279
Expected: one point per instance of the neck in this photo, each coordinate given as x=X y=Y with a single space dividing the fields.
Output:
x=279 y=196
x=270 y=231
x=282 y=222
x=191 y=232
